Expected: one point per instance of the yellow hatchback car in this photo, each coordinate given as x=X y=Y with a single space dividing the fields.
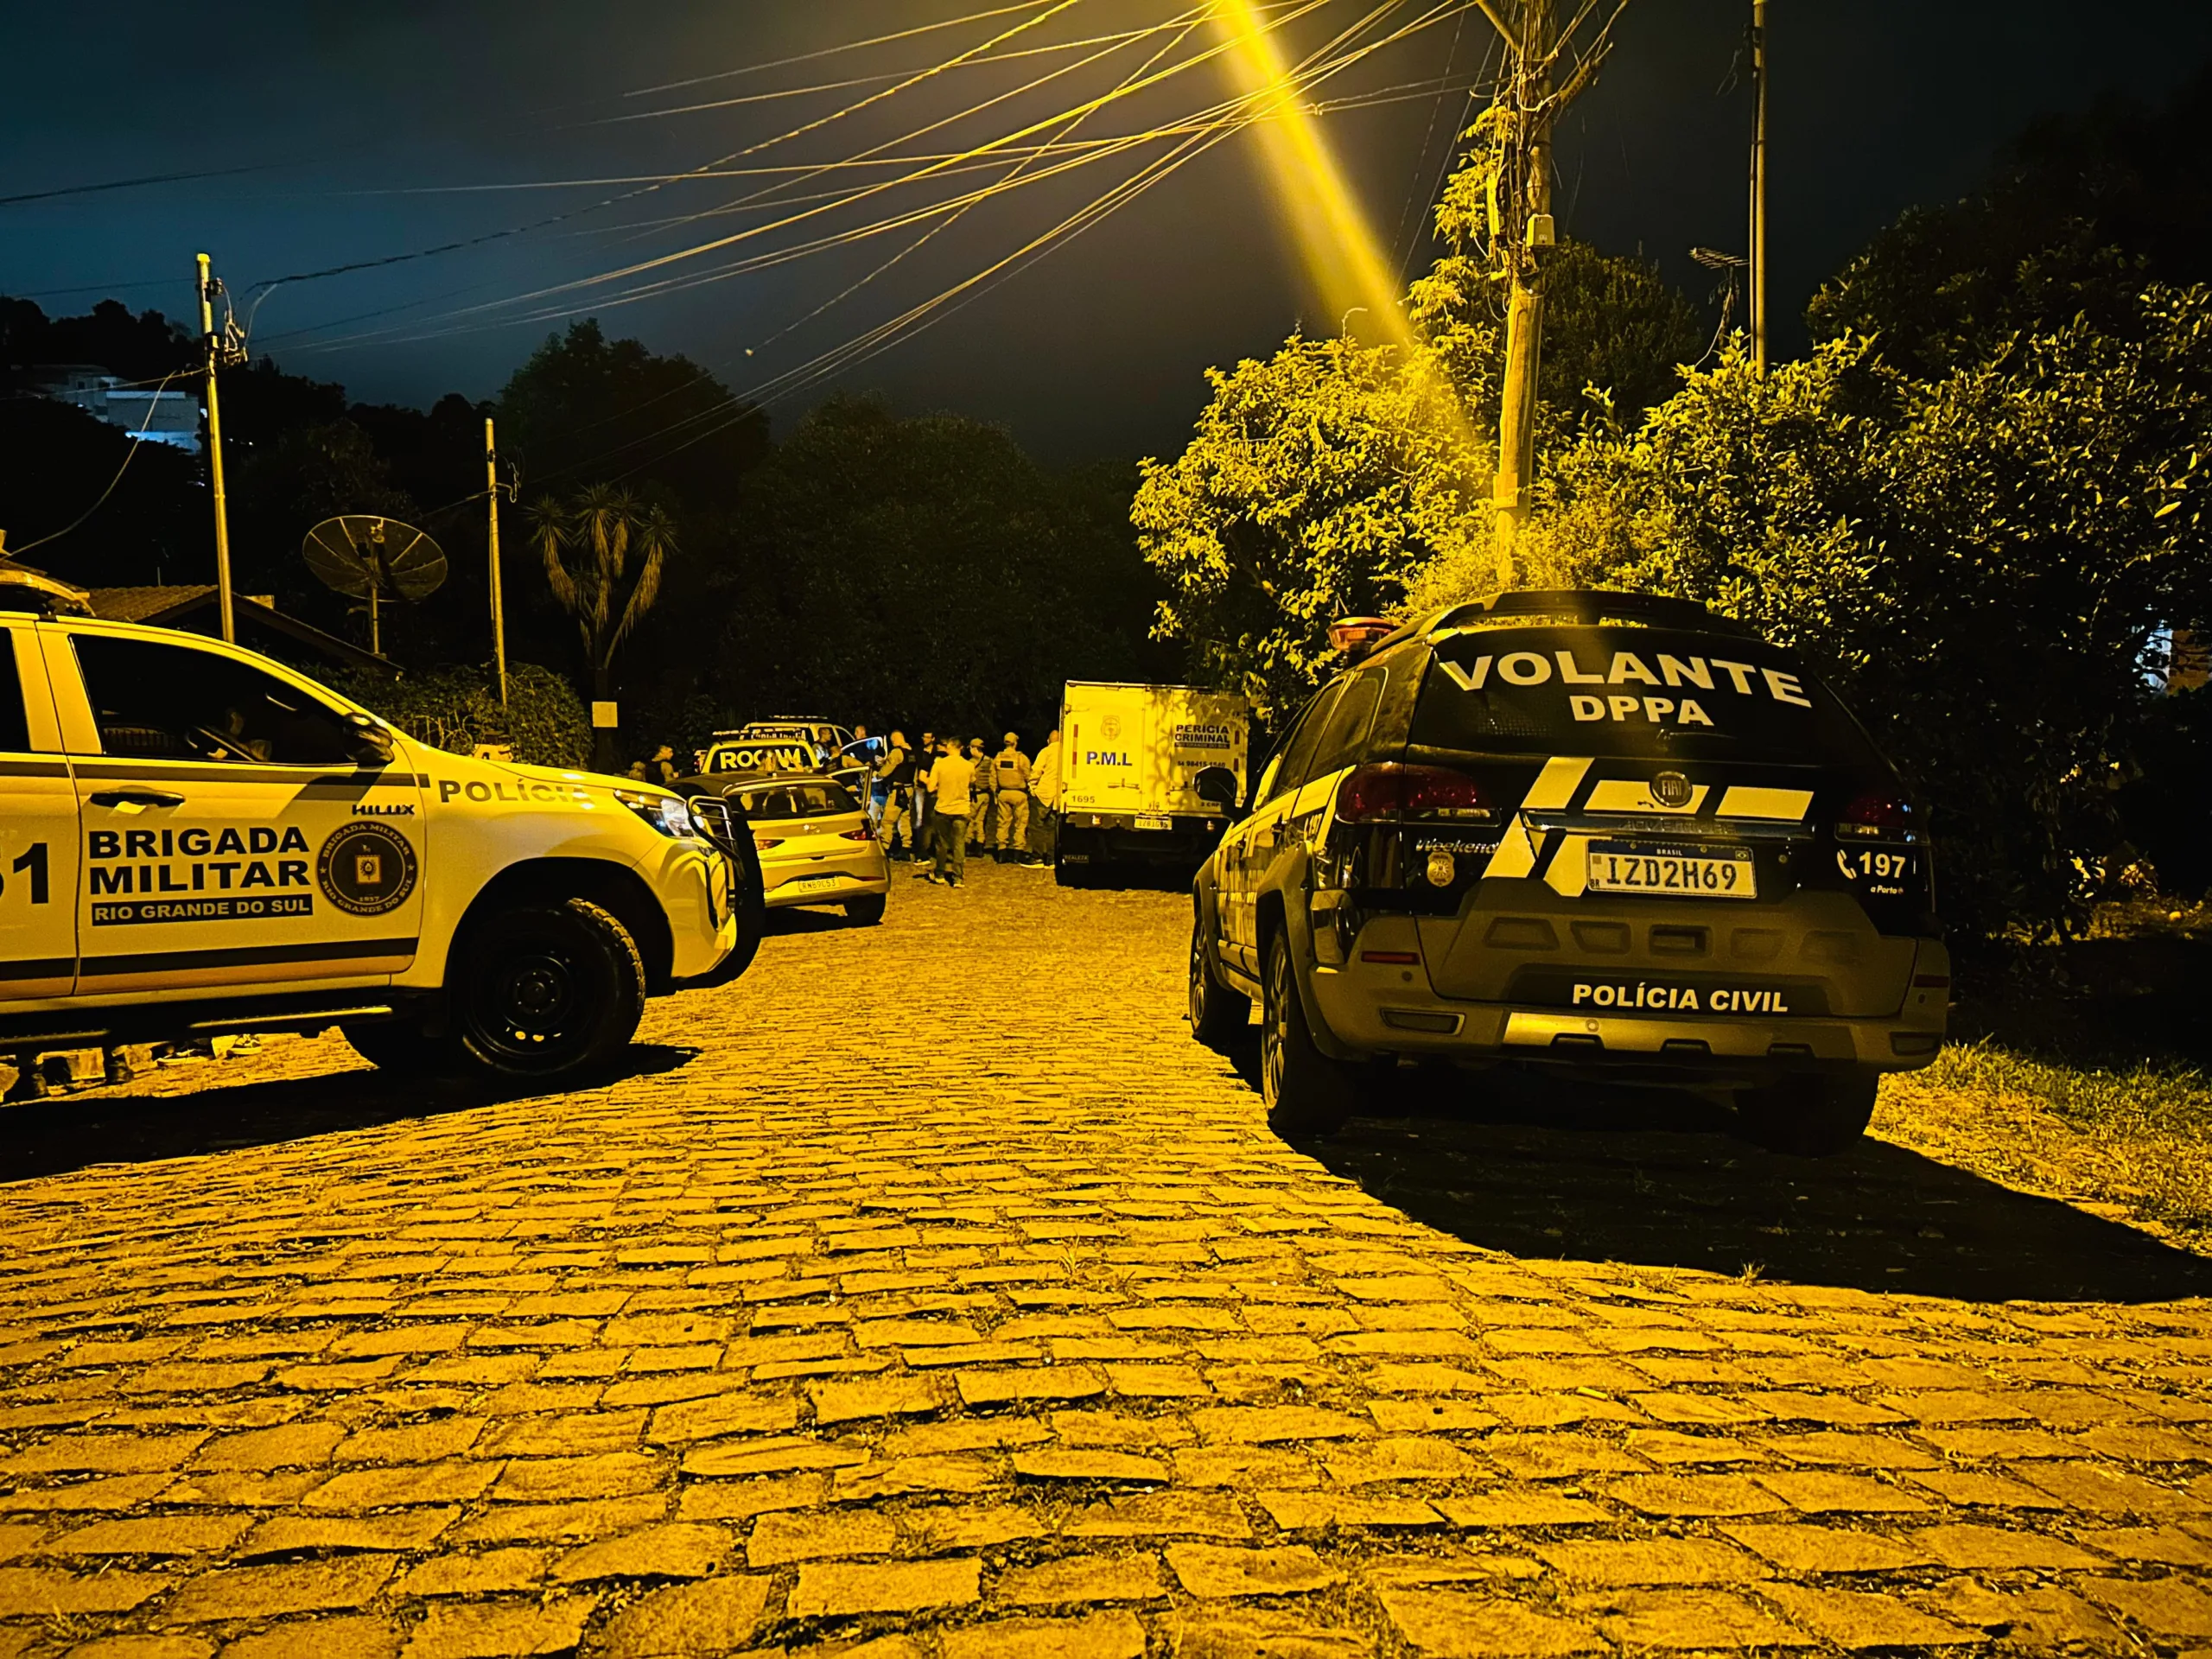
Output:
x=816 y=844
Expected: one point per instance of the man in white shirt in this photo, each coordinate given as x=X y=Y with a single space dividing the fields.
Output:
x=1045 y=820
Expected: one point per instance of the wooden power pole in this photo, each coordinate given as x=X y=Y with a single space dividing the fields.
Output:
x=216 y=348
x=492 y=534
x=1758 y=186
x=1524 y=228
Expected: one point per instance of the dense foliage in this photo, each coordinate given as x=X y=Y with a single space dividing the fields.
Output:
x=544 y=722
x=1982 y=563
x=925 y=569
x=1316 y=484
x=880 y=570
x=1976 y=505
x=1323 y=482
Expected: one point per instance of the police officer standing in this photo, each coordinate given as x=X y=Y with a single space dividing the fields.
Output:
x=1010 y=784
x=979 y=816
x=923 y=834
x=1045 y=786
x=891 y=786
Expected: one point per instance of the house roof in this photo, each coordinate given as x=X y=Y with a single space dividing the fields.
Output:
x=168 y=607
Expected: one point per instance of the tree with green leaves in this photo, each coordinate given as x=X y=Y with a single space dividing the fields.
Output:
x=1316 y=483
x=1983 y=562
x=926 y=569
x=603 y=551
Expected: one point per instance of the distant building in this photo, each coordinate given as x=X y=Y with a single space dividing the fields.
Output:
x=168 y=414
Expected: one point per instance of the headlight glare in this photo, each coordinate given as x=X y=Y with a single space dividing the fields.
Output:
x=667 y=813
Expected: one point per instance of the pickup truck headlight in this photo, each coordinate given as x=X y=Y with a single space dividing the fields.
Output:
x=667 y=813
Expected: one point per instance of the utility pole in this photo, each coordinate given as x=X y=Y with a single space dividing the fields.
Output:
x=1758 y=186
x=499 y=609
x=217 y=349
x=1524 y=227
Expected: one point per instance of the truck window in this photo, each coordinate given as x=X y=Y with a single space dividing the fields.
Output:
x=1299 y=743
x=15 y=726
x=1345 y=734
x=158 y=701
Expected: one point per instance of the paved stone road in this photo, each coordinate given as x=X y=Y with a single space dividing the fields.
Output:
x=930 y=1289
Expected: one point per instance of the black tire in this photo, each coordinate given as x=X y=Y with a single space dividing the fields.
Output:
x=401 y=1047
x=865 y=913
x=748 y=895
x=1813 y=1115
x=1307 y=1092
x=1218 y=1016
x=548 y=990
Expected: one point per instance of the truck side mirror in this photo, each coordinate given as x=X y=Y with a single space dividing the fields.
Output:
x=1218 y=785
x=368 y=742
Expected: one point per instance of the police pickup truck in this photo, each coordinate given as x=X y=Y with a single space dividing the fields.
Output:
x=1605 y=834
x=196 y=840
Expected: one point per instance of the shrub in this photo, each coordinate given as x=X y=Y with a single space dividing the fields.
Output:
x=456 y=710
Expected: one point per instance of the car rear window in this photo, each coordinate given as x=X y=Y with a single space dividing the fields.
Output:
x=1651 y=692
x=809 y=800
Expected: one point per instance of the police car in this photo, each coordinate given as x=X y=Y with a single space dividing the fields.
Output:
x=196 y=840
x=1615 y=835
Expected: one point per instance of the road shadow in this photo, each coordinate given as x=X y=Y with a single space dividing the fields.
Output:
x=73 y=1132
x=792 y=920
x=1517 y=1163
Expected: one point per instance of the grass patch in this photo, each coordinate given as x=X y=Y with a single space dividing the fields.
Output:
x=2132 y=1142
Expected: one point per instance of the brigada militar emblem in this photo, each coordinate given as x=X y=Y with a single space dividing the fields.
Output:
x=366 y=869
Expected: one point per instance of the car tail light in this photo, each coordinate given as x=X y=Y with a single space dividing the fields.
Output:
x=764 y=842
x=1391 y=793
x=1878 y=815
x=862 y=834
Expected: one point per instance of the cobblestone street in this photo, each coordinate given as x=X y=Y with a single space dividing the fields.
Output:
x=930 y=1289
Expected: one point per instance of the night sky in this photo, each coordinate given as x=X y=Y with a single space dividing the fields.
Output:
x=1098 y=350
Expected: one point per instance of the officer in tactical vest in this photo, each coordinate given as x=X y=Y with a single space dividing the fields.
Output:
x=1010 y=783
x=895 y=788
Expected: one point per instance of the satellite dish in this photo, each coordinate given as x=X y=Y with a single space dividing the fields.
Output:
x=380 y=560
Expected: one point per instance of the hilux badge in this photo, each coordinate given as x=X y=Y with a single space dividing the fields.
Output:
x=1671 y=789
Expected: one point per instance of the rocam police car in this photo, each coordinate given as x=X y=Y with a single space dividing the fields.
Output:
x=1615 y=835
x=196 y=839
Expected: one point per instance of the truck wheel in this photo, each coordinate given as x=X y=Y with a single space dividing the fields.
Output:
x=1307 y=1093
x=1217 y=1014
x=1812 y=1115
x=546 y=990
x=403 y=1047
x=865 y=911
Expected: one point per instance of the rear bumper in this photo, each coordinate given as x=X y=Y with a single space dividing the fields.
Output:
x=1372 y=1008
x=857 y=874
x=1119 y=837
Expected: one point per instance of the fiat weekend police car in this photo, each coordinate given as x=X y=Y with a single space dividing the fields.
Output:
x=196 y=839
x=1615 y=835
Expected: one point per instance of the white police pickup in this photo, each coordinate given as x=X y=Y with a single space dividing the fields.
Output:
x=196 y=840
